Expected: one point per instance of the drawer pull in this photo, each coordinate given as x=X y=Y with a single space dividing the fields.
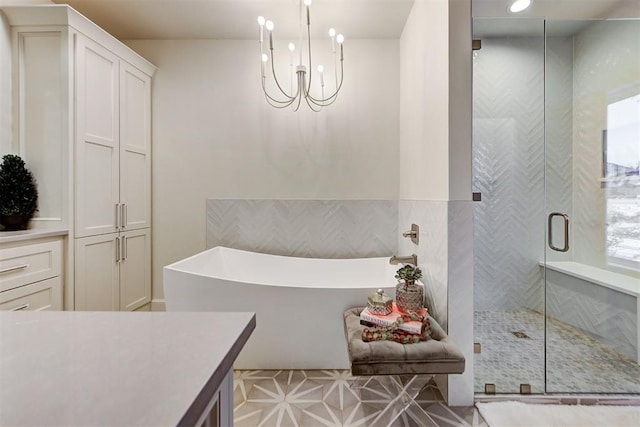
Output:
x=14 y=268
x=20 y=307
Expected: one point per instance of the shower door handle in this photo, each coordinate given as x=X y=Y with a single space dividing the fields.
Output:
x=565 y=219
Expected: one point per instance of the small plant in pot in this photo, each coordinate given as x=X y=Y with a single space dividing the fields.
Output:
x=18 y=193
x=409 y=294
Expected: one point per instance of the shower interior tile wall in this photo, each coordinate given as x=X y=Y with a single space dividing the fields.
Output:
x=611 y=316
x=508 y=167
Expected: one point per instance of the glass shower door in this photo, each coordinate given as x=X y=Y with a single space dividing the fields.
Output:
x=508 y=172
x=592 y=206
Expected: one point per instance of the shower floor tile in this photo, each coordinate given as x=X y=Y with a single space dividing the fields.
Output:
x=513 y=354
x=328 y=398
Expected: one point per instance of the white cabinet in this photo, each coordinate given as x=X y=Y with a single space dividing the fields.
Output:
x=97 y=140
x=30 y=275
x=113 y=162
x=83 y=103
x=113 y=271
x=135 y=148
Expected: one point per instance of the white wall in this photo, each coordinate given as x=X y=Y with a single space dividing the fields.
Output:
x=215 y=137
x=424 y=131
x=435 y=169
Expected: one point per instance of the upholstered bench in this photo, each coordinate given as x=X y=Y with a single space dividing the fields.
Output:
x=420 y=361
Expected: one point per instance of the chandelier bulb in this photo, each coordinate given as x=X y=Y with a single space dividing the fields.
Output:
x=269 y=25
x=332 y=32
x=265 y=57
x=340 y=39
x=307 y=2
x=320 y=69
x=261 y=20
x=292 y=47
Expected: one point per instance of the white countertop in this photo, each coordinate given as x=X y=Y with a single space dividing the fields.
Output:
x=21 y=235
x=115 y=369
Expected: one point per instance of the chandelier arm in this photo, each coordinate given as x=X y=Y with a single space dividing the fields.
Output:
x=275 y=78
x=310 y=65
x=297 y=107
x=273 y=102
x=311 y=104
x=331 y=98
x=272 y=99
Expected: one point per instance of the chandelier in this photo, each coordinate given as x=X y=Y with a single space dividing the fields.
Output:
x=301 y=90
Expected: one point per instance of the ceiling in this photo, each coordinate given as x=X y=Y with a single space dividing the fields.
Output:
x=236 y=19
x=563 y=17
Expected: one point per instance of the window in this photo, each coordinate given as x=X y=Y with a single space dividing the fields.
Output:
x=621 y=155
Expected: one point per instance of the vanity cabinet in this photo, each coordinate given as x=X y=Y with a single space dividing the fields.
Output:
x=83 y=123
x=30 y=275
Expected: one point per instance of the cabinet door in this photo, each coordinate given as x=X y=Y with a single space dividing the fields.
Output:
x=96 y=273
x=135 y=269
x=97 y=139
x=135 y=147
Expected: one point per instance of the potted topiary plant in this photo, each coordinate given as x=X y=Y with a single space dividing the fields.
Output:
x=409 y=294
x=18 y=193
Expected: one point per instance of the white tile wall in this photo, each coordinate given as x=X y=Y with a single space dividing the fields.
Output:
x=305 y=228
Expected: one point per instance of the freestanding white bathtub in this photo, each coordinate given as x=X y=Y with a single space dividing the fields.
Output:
x=299 y=302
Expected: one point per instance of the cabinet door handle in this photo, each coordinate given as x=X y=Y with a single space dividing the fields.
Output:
x=117 y=216
x=124 y=248
x=20 y=307
x=123 y=215
x=14 y=268
x=118 y=249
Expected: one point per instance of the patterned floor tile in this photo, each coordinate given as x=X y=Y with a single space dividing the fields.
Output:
x=335 y=398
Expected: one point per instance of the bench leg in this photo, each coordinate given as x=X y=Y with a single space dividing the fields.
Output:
x=398 y=397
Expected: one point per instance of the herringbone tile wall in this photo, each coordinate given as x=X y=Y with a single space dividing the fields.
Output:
x=508 y=169
x=607 y=316
x=431 y=217
x=305 y=228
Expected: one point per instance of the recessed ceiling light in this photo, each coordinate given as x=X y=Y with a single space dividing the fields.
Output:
x=519 y=5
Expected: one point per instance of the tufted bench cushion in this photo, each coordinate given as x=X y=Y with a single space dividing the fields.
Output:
x=438 y=355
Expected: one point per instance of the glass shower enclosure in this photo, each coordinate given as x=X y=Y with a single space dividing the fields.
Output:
x=556 y=153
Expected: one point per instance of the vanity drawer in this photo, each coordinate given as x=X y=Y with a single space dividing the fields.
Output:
x=44 y=295
x=24 y=264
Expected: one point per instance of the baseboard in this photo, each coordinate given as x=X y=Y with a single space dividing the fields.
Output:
x=158 y=305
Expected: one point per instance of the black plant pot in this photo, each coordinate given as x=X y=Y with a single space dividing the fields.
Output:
x=14 y=222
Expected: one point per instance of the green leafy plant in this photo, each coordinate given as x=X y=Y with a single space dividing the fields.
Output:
x=18 y=192
x=409 y=273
